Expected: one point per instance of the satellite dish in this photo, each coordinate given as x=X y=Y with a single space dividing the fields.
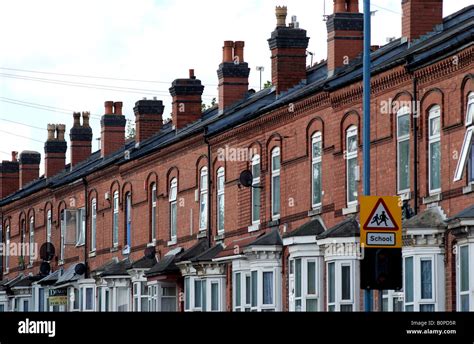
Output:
x=150 y=252
x=80 y=269
x=45 y=269
x=47 y=251
x=246 y=178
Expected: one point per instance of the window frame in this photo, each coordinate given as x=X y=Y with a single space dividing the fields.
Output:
x=80 y=227
x=275 y=174
x=460 y=293
x=7 y=249
x=203 y=198
x=31 y=240
x=404 y=111
x=153 y=213
x=302 y=284
x=351 y=132
x=317 y=138
x=434 y=113
x=339 y=302
x=220 y=197
x=93 y=225
x=62 y=242
x=128 y=220
x=115 y=219
x=49 y=225
x=173 y=196
x=255 y=186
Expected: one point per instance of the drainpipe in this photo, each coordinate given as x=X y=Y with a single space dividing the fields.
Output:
x=86 y=210
x=415 y=143
x=209 y=189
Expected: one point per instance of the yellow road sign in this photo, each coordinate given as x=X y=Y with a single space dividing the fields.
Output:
x=381 y=221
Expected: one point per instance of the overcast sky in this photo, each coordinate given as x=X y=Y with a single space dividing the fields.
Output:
x=143 y=40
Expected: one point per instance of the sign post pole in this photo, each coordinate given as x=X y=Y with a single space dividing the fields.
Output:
x=366 y=123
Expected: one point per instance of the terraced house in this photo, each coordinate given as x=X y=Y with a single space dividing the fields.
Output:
x=239 y=207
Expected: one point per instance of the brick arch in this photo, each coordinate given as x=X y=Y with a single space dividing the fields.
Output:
x=257 y=147
x=31 y=213
x=397 y=103
x=466 y=88
x=151 y=178
x=172 y=173
x=47 y=206
x=275 y=140
x=93 y=193
x=432 y=97
x=115 y=186
x=61 y=206
x=315 y=124
x=350 y=118
x=126 y=188
x=201 y=162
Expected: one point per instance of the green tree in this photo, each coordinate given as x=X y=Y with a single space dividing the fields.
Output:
x=268 y=84
x=130 y=130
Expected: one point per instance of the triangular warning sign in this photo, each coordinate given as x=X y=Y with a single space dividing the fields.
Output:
x=380 y=218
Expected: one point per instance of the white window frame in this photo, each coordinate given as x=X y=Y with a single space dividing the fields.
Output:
x=255 y=186
x=36 y=298
x=220 y=198
x=203 y=198
x=316 y=139
x=467 y=143
x=219 y=302
x=31 y=240
x=153 y=213
x=338 y=301
x=93 y=225
x=49 y=225
x=435 y=113
x=162 y=286
x=267 y=306
x=115 y=220
x=392 y=296
x=275 y=173
x=304 y=261
x=470 y=290
x=80 y=227
x=128 y=219
x=7 y=249
x=84 y=298
x=351 y=131
x=138 y=296
x=173 y=204
x=244 y=305
x=405 y=111
x=62 y=236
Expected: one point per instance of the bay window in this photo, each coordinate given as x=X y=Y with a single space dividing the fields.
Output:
x=341 y=284
x=403 y=150
x=140 y=296
x=465 y=287
x=220 y=200
x=316 y=184
x=352 y=168
x=304 y=283
x=203 y=192
x=202 y=294
x=275 y=182
x=173 y=208
x=434 y=150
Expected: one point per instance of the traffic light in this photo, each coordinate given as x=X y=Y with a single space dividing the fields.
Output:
x=381 y=269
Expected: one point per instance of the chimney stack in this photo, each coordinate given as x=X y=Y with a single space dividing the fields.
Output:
x=148 y=118
x=420 y=17
x=29 y=167
x=345 y=34
x=288 y=45
x=9 y=176
x=55 y=150
x=112 y=128
x=186 y=104
x=81 y=138
x=233 y=74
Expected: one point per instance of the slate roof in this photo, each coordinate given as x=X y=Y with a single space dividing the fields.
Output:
x=272 y=238
x=430 y=218
x=209 y=254
x=467 y=213
x=24 y=281
x=144 y=263
x=51 y=278
x=454 y=34
x=69 y=275
x=115 y=268
x=345 y=229
x=312 y=227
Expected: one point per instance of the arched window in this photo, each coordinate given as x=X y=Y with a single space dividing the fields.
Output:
x=434 y=149
x=173 y=195
x=115 y=219
x=7 y=248
x=316 y=181
x=203 y=195
x=220 y=200
x=256 y=189
x=128 y=219
x=352 y=168
x=93 y=225
x=403 y=150
x=31 y=245
x=275 y=172
x=153 y=213
x=49 y=225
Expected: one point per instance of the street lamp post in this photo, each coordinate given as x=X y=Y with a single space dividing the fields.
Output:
x=260 y=69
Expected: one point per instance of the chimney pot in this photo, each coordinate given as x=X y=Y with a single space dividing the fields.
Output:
x=14 y=156
x=60 y=130
x=118 y=108
x=239 y=51
x=85 y=119
x=77 y=119
x=281 y=12
x=191 y=74
x=51 y=131
x=227 y=51
x=109 y=107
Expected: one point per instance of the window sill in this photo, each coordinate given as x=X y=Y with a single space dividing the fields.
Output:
x=61 y=262
x=405 y=196
x=315 y=211
x=351 y=209
x=152 y=244
x=114 y=249
x=172 y=242
x=468 y=189
x=255 y=227
x=219 y=237
x=432 y=198
x=201 y=234
x=79 y=245
x=275 y=222
x=92 y=254
x=29 y=266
